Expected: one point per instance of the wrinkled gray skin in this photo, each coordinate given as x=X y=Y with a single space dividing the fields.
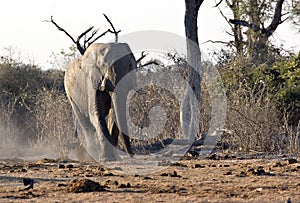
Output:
x=90 y=83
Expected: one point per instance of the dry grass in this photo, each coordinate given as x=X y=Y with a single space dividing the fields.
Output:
x=54 y=122
x=253 y=123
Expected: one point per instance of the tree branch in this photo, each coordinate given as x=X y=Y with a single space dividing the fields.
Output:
x=218 y=42
x=276 y=19
x=218 y=4
x=104 y=33
x=225 y=18
x=251 y=26
x=114 y=30
x=81 y=48
x=143 y=55
x=149 y=63
x=60 y=28
x=87 y=41
x=91 y=37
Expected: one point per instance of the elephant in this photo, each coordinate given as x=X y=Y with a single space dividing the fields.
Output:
x=99 y=110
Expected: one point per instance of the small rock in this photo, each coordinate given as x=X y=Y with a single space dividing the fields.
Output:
x=60 y=166
x=260 y=172
x=228 y=173
x=124 y=185
x=199 y=166
x=70 y=166
x=242 y=174
x=61 y=185
x=178 y=164
x=292 y=161
x=108 y=174
x=115 y=182
x=213 y=157
x=175 y=175
x=259 y=189
x=278 y=164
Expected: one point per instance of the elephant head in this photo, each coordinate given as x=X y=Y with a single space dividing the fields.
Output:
x=104 y=73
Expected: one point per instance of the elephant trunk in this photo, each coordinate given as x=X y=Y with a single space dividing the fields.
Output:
x=119 y=105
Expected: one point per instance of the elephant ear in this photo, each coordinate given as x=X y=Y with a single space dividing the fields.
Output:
x=72 y=71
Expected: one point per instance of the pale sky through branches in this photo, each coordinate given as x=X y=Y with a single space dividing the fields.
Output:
x=23 y=27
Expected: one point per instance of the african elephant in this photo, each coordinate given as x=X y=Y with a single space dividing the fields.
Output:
x=91 y=82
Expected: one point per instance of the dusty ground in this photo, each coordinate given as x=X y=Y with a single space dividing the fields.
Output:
x=218 y=179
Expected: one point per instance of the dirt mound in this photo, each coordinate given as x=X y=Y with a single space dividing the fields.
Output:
x=84 y=185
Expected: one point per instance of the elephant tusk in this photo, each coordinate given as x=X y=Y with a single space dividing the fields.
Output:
x=102 y=86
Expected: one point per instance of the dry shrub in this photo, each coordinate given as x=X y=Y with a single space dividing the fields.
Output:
x=54 y=122
x=15 y=131
x=252 y=120
x=143 y=105
x=155 y=115
x=290 y=138
x=9 y=132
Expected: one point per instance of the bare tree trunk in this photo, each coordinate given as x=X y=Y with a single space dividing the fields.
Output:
x=190 y=107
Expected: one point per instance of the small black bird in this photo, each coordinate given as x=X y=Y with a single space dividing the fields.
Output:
x=28 y=181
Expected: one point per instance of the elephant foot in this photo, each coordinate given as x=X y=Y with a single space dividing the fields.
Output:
x=107 y=159
x=112 y=157
x=82 y=154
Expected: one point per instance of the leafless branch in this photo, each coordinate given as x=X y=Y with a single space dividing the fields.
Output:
x=226 y=19
x=87 y=41
x=149 y=63
x=143 y=55
x=218 y=42
x=91 y=37
x=218 y=4
x=79 y=46
x=229 y=33
x=282 y=21
x=114 y=30
x=104 y=33
x=245 y=23
x=60 y=28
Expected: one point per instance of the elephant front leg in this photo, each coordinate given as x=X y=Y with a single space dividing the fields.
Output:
x=97 y=117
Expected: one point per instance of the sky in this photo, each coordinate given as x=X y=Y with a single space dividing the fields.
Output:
x=23 y=23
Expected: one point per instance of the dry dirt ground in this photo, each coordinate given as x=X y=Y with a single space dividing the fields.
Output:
x=216 y=179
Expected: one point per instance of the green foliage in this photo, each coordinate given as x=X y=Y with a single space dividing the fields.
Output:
x=283 y=82
x=60 y=60
x=263 y=104
x=19 y=84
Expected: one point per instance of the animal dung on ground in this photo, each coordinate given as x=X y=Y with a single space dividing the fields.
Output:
x=84 y=185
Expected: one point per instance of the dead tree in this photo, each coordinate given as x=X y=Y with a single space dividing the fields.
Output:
x=87 y=41
x=188 y=111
